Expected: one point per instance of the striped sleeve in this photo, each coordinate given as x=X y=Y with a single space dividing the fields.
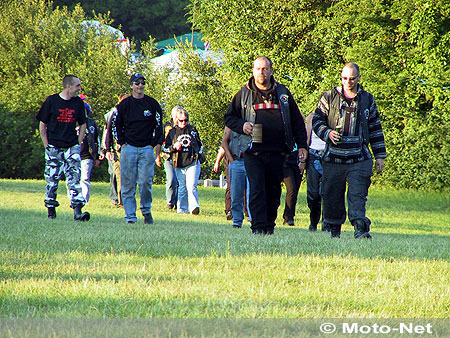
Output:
x=376 y=136
x=320 y=119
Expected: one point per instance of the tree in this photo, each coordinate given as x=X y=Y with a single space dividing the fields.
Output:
x=193 y=83
x=38 y=47
x=162 y=19
x=401 y=46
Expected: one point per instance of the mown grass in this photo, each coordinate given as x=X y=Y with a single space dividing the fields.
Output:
x=199 y=266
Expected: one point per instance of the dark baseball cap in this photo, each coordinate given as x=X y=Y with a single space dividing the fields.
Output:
x=136 y=76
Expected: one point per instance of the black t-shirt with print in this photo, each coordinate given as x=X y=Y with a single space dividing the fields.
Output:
x=61 y=117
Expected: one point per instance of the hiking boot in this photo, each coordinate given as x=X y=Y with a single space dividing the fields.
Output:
x=312 y=227
x=80 y=216
x=289 y=222
x=148 y=219
x=196 y=211
x=326 y=227
x=361 y=230
x=51 y=212
x=335 y=230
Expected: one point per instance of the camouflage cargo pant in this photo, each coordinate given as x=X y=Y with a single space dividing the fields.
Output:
x=58 y=160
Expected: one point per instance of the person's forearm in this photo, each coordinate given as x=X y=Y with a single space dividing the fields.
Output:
x=43 y=133
x=82 y=133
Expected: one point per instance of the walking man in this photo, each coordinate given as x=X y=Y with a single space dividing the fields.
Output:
x=347 y=119
x=59 y=116
x=266 y=112
x=139 y=132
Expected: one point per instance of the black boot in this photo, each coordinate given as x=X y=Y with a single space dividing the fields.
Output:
x=326 y=227
x=312 y=227
x=361 y=229
x=335 y=230
x=51 y=212
x=314 y=214
x=80 y=216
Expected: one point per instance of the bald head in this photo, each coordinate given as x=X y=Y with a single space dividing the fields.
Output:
x=353 y=66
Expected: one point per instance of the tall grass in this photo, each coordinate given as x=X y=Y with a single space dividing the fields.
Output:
x=187 y=266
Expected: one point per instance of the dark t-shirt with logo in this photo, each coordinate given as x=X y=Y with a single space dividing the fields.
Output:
x=138 y=122
x=61 y=117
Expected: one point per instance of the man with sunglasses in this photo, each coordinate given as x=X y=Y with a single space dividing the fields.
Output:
x=138 y=130
x=347 y=119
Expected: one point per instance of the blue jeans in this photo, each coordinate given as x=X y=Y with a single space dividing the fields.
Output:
x=86 y=169
x=112 y=183
x=239 y=183
x=137 y=166
x=171 y=183
x=187 y=187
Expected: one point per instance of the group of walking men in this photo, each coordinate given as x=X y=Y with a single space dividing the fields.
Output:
x=264 y=127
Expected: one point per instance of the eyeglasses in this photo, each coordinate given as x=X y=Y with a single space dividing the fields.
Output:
x=137 y=83
x=182 y=121
x=353 y=78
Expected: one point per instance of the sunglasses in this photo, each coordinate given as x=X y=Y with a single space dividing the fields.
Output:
x=137 y=83
x=353 y=78
x=182 y=120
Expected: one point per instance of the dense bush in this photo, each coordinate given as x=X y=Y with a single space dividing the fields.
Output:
x=38 y=47
x=402 y=47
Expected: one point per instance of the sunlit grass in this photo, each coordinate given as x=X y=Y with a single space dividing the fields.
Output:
x=187 y=266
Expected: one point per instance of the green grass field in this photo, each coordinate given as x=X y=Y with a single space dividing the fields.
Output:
x=187 y=266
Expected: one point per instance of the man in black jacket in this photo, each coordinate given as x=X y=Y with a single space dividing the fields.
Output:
x=265 y=111
x=138 y=130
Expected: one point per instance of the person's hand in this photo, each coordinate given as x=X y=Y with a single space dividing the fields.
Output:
x=334 y=136
x=247 y=128
x=177 y=145
x=158 y=161
x=96 y=162
x=109 y=156
x=302 y=166
x=302 y=155
x=379 y=165
x=216 y=167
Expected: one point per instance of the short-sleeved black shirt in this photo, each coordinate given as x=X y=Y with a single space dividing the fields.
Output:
x=61 y=117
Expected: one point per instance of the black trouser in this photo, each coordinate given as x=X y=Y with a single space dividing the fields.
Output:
x=336 y=178
x=292 y=179
x=313 y=191
x=265 y=173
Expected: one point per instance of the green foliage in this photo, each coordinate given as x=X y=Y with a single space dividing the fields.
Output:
x=39 y=46
x=138 y=19
x=396 y=43
x=193 y=83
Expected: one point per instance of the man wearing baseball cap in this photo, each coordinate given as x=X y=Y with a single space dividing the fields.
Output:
x=139 y=132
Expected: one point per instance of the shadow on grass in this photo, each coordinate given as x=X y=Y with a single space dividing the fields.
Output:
x=188 y=236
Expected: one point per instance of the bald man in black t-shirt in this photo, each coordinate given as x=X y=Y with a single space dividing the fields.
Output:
x=59 y=116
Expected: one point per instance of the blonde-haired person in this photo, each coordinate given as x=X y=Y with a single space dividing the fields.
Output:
x=184 y=146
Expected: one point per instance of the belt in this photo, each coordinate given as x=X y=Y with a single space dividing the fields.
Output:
x=317 y=153
x=241 y=155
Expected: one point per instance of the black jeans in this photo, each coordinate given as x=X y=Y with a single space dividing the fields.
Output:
x=313 y=191
x=335 y=179
x=292 y=179
x=265 y=173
